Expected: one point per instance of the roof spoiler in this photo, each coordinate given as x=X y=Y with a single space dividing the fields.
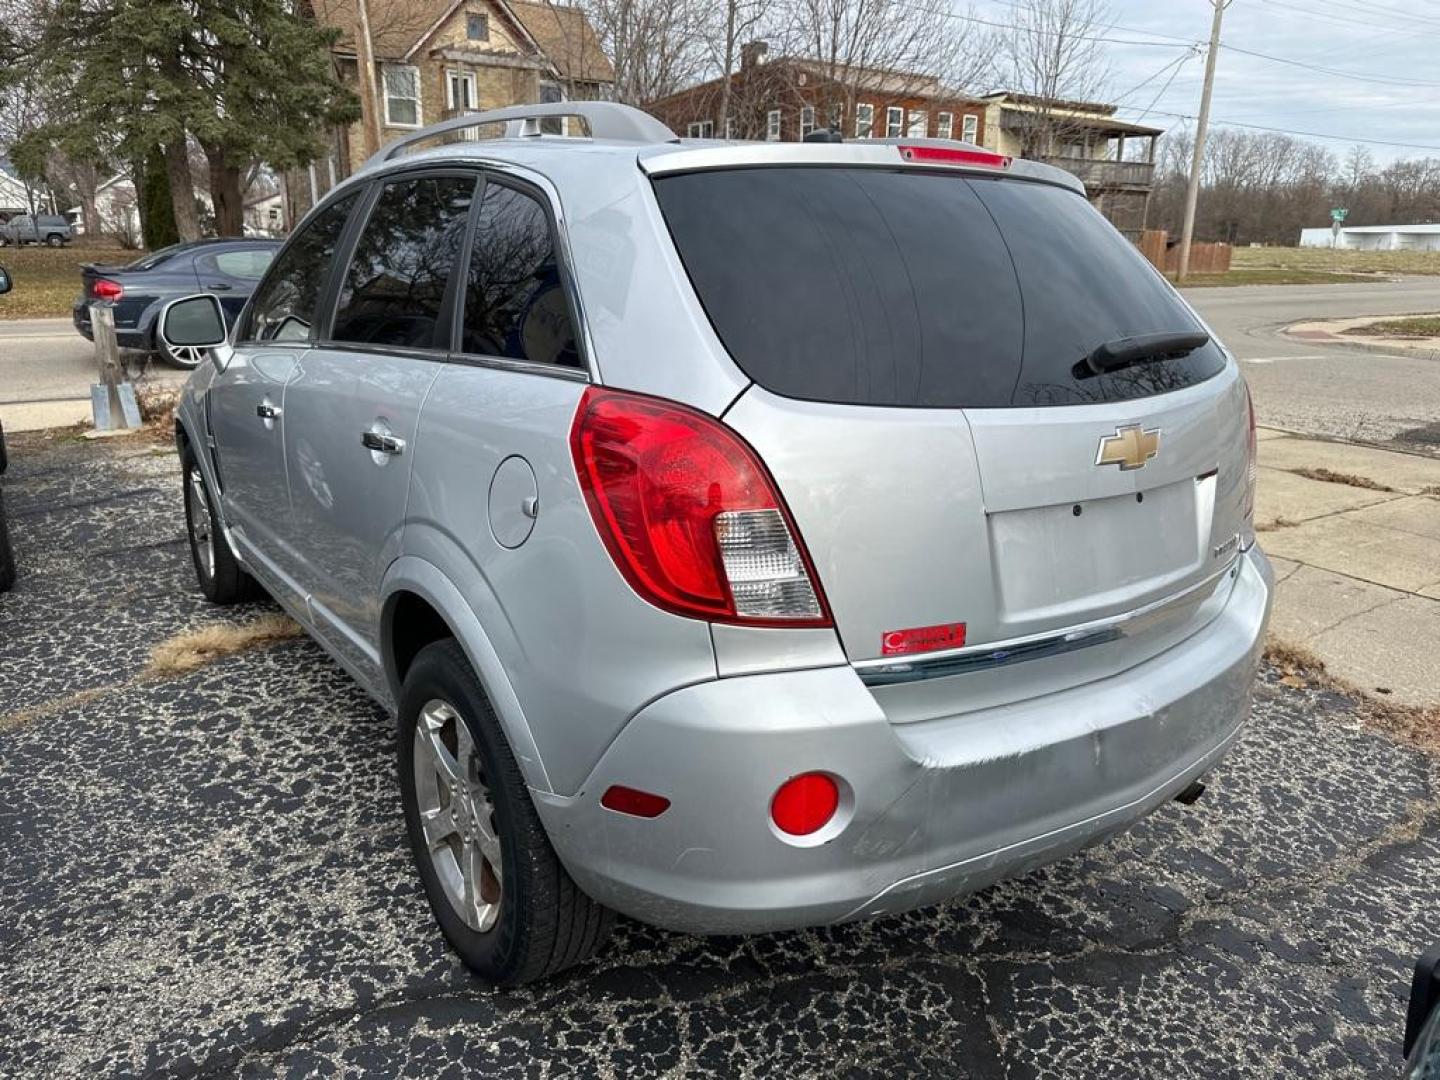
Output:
x=605 y=119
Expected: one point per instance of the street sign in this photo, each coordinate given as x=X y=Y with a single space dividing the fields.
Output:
x=1338 y=214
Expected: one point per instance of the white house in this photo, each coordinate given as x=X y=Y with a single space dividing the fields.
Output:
x=1375 y=237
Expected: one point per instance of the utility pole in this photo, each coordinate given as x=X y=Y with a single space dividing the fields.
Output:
x=365 y=57
x=1192 y=190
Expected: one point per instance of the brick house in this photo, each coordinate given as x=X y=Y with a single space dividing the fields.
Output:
x=787 y=97
x=440 y=58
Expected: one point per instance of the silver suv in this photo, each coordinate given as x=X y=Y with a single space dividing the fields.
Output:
x=747 y=536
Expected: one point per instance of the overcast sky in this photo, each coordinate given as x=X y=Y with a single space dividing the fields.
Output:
x=1391 y=46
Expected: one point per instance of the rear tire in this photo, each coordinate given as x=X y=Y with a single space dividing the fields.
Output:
x=472 y=808
x=220 y=576
x=7 y=553
x=55 y=240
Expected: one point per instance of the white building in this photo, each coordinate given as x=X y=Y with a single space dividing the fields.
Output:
x=1375 y=237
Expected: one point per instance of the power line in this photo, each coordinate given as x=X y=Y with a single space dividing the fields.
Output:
x=1351 y=17
x=1306 y=134
x=1334 y=72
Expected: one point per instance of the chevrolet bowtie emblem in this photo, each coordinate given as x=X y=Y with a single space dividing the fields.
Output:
x=1130 y=447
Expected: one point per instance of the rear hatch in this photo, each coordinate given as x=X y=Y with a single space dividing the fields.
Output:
x=920 y=345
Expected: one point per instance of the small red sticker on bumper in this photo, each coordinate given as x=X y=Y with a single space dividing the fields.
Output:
x=922 y=639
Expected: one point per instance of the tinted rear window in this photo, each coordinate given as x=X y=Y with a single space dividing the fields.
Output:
x=876 y=287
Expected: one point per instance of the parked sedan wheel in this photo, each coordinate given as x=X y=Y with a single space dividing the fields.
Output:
x=496 y=887
x=219 y=574
x=184 y=357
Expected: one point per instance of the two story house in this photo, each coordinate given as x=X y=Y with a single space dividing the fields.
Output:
x=788 y=97
x=436 y=59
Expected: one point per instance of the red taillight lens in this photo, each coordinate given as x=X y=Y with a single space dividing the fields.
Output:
x=689 y=514
x=940 y=155
x=804 y=804
x=633 y=801
x=104 y=289
x=1252 y=463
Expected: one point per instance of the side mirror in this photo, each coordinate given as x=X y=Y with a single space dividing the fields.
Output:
x=5 y=284
x=193 y=322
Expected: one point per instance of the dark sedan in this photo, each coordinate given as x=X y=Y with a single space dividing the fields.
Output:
x=229 y=268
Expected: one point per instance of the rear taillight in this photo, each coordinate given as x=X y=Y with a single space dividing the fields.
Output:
x=941 y=155
x=690 y=515
x=104 y=289
x=1252 y=464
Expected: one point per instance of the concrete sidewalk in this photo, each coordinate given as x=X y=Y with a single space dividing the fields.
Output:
x=1356 y=548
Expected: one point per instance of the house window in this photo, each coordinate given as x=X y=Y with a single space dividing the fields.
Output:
x=477 y=27
x=552 y=93
x=772 y=125
x=894 y=121
x=944 y=125
x=701 y=129
x=919 y=124
x=807 y=120
x=402 y=95
x=864 y=121
x=836 y=117
x=971 y=127
x=729 y=127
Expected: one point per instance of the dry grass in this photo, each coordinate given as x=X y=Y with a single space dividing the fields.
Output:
x=1301 y=669
x=1353 y=262
x=1412 y=326
x=47 y=280
x=1330 y=476
x=1269 y=275
x=1433 y=490
x=157 y=411
x=196 y=648
x=1278 y=523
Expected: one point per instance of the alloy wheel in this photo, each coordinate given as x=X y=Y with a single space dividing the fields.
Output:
x=202 y=528
x=457 y=815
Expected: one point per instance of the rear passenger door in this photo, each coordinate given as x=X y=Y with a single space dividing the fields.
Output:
x=232 y=275
x=352 y=407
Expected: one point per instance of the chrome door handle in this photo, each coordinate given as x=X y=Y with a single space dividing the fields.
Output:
x=266 y=411
x=382 y=443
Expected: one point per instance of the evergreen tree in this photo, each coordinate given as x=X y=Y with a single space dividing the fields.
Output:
x=157 y=212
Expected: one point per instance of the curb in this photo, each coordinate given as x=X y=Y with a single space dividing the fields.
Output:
x=1319 y=336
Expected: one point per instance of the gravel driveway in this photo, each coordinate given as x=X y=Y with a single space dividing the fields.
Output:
x=207 y=875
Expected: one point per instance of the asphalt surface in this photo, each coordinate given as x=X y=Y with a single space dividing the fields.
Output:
x=1343 y=393
x=207 y=875
x=47 y=361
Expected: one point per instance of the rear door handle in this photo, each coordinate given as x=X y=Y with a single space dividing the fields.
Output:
x=382 y=443
x=266 y=411
x=219 y=286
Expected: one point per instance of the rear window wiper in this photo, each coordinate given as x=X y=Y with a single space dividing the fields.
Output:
x=1142 y=349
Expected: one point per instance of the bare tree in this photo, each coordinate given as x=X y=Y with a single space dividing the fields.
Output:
x=732 y=23
x=901 y=48
x=1055 y=56
x=656 y=46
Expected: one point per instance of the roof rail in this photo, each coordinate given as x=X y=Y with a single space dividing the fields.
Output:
x=606 y=120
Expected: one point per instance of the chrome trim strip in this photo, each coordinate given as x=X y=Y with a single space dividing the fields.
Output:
x=886 y=672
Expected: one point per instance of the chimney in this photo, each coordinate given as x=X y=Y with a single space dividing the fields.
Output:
x=752 y=54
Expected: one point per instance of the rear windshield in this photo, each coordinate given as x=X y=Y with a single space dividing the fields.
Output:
x=879 y=287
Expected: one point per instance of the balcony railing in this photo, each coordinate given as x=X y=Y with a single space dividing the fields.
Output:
x=1098 y=175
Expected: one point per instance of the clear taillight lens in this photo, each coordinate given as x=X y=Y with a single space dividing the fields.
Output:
x=689 y=513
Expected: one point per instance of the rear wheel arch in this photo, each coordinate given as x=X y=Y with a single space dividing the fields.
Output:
x=410 y=622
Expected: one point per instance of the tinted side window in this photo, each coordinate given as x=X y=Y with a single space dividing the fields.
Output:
x=394 y=289
x=515 y=303
x=284 y=305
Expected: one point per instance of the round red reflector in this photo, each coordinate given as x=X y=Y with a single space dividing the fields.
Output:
x=803 y=804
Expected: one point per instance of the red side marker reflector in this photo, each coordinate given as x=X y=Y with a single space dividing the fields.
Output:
x=804 y=803
x=922 y=639
x=633 y=801
x=941 y=155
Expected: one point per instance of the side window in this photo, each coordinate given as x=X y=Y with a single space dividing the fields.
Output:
x=249 y=265
x=394 y=288
x=284 y=306
x=515 y=302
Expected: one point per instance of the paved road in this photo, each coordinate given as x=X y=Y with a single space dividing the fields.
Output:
x=46 y=369
x=207 y=876
x=1346 y=393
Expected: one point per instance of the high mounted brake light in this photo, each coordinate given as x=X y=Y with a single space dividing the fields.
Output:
x=941 y=155
x=690 y=515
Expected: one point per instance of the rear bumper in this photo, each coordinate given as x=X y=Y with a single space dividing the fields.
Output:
x=930 y=809
x=126 y=339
